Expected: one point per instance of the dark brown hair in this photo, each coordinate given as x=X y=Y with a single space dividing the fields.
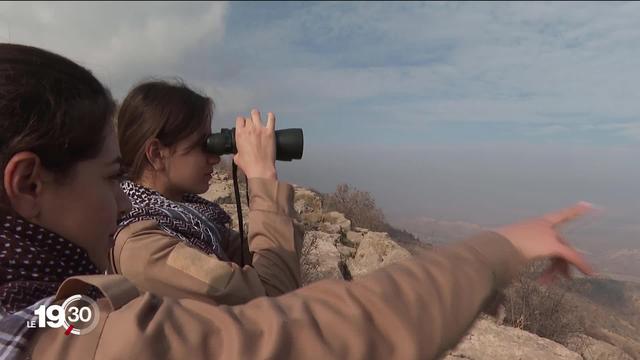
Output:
x=50 y=106
x=167 y=111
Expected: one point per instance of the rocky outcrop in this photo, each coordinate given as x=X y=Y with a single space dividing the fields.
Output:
x=220 y=189
x=374 y=250
x=335 y=223
x=333 y=248
x=306 y=201
x=489 y=341
x=321 y=257
x=592 y=349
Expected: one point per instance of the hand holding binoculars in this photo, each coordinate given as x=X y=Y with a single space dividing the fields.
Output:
x=289 y=143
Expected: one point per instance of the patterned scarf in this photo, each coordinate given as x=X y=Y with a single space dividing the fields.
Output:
x=33 y=264
x=196 y=221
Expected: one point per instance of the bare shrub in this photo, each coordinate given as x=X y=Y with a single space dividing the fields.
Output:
x=357 y=206
x=543 y=310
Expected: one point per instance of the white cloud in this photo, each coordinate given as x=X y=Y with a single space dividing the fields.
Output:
x=120 y=41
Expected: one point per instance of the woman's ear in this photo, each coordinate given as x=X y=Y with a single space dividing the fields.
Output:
x=23 y=180
x=155 y=154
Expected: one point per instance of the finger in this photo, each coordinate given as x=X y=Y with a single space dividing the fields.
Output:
x=572 y=257
x=271 y=121
x=562 y=216
x=562 y=265
x=255 y=117
x=248 y=123
x=240 y=122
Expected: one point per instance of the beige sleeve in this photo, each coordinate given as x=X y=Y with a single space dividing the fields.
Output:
x=275 y=241
x=414 y=309
x=160 y=263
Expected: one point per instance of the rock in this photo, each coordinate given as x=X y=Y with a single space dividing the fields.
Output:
x=320 y=256
x=355 y=237
x=376 y=250
x=311 y=221
x=346 y=251
x=301 y=207
x=221 y=188
x=220 y=174
x=220 y=191
x=489 y=341
x=336 y=218
x=306 y=201
x=631 y=345
x=592 y=349
x=330 y=228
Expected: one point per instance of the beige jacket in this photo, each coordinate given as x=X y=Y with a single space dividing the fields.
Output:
x=414 y=309
x=159 y=263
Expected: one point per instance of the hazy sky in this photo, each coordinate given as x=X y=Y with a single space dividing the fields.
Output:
x=482 y=112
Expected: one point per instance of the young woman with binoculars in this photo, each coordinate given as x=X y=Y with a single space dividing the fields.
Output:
x=178 y=244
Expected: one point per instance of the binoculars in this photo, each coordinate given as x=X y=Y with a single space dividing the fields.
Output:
x=289 y=143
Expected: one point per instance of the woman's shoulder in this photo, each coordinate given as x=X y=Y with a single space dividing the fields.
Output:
x=140 y=252
x=134 y=228
x=138 y=240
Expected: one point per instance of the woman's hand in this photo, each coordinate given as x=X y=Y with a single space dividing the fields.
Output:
x=538 y=239
x=256 y=146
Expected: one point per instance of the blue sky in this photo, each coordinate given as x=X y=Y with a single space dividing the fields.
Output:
x=482 y=112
